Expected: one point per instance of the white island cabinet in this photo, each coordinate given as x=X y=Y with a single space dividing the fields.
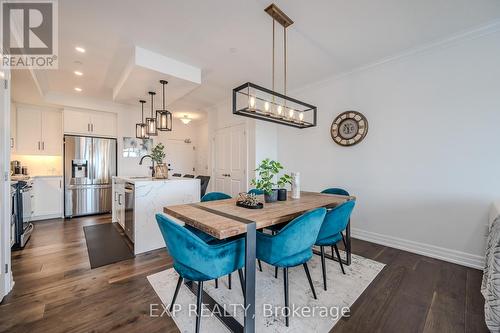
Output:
x=138 y=199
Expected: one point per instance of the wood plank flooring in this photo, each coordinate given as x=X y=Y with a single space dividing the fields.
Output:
x=56 y=291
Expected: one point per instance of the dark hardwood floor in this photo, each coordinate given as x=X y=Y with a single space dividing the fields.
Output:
x=56 y=291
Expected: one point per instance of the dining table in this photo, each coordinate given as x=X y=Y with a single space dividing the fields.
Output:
x=223 y=219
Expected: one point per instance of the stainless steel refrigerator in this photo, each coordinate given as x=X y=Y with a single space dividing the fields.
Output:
x=89 y=165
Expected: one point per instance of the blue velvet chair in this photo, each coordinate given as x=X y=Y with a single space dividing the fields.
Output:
x=335 y=190
x=215 y=196
x=196 y=260
x=330 y=234
x=212 y=196
x=292 y=246
x=256 y=191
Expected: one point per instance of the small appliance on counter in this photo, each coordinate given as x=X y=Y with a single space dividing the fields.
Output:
x=15 y=168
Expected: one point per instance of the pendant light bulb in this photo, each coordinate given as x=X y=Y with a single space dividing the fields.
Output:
x=266 y=106
x=280 y=110
x=252 y=102
x=301 y=116
x=290 y=113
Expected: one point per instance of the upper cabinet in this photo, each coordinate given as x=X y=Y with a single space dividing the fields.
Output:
x=91 y=123
x=39 y=131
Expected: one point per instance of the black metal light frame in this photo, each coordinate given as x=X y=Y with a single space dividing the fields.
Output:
x=163 y=116
x=151 y=129
x=140 y=128
x=256 y=113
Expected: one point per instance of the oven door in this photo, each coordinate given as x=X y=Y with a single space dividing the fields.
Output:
x=27 y=195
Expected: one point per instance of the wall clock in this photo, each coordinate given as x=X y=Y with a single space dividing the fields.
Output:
x=349 y=128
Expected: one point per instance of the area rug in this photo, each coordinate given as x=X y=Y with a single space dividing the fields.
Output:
x=105 y=245
x=323 y=313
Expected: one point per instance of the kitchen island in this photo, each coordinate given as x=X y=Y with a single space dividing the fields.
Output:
x=136 y=200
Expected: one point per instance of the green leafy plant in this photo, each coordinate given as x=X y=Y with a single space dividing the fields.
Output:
x=157 y=154
x=268 y=171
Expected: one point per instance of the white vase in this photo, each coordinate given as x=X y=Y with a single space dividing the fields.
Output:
x=295 y=185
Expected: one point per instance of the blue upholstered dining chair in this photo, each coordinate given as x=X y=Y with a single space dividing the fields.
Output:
x=211 y=196
x=330 y=234
x=292 y=246
x=196 y=260
x=335 y=190
x=256 y=191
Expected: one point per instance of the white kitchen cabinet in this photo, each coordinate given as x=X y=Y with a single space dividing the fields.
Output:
x=91 y=123
x=119 y=202
x=40 y=131
x=47 y=197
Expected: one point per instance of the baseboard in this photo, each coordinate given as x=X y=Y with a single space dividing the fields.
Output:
x=456 y=257
x=45 y=217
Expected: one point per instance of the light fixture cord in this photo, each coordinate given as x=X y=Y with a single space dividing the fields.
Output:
x=152 y=105
x=163 y=96
x=142 y=116
x=284 y=47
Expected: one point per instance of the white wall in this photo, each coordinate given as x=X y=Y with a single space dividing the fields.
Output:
x=428 y=170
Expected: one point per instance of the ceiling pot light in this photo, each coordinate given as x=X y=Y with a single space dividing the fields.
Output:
x=78 y=89
x=140 y=128
x=78 y=73
x=185 y=119
x=163 y=116
x=253 y=101
x=151 y=129
x=80 y=49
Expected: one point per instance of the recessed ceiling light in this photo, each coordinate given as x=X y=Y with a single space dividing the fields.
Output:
x=78 y=89
x=78 y=73
x=80 y=49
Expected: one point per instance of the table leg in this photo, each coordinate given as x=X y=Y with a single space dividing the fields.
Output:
x=250 y=257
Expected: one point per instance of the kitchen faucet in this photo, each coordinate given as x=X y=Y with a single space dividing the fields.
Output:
x=151 y=167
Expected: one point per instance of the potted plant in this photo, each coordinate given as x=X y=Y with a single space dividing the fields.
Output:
x=158 y=155
x=282 y=182
x=268 y=171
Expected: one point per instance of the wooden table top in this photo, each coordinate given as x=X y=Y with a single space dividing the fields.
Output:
x=232 y=219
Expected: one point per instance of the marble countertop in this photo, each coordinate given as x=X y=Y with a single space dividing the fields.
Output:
x=146 y=179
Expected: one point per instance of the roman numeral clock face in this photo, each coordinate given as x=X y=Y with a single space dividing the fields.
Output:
x=349 y=128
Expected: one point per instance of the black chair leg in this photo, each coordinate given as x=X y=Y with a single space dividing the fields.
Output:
x=216 y=283
x=242 y=280
x=260 y=265
x=344 y=241
x=229 y=280
x=340 y=259
x=287 y=309
x=179 y=283
x=333 y=255
x=199 y=297
x=276 y=272
x=323 y=266
x=310 y=280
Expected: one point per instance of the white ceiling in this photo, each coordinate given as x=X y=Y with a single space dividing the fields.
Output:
x=230 y=40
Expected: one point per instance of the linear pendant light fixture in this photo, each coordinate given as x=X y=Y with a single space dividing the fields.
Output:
x=163 y=116
x=151 y=122
x=140 y=129
x=253 y=101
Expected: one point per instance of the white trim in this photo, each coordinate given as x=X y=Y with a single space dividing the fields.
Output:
x=456 y=257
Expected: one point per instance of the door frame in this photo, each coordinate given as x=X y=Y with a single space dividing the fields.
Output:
x=6 y=281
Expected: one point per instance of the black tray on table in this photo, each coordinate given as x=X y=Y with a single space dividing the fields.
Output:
x=260 y=205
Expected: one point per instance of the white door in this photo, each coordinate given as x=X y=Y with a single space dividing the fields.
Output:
x=13 y=128
x=52 y=133
x=29 y=130
x=103 y=124
x=47 y=192
x=230 y=160
x=180 y=157
x=76 y=122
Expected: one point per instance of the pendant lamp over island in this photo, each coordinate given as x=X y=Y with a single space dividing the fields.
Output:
x=163 y=116
x=140 y=129
x=151 y=129
x=253 y=101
